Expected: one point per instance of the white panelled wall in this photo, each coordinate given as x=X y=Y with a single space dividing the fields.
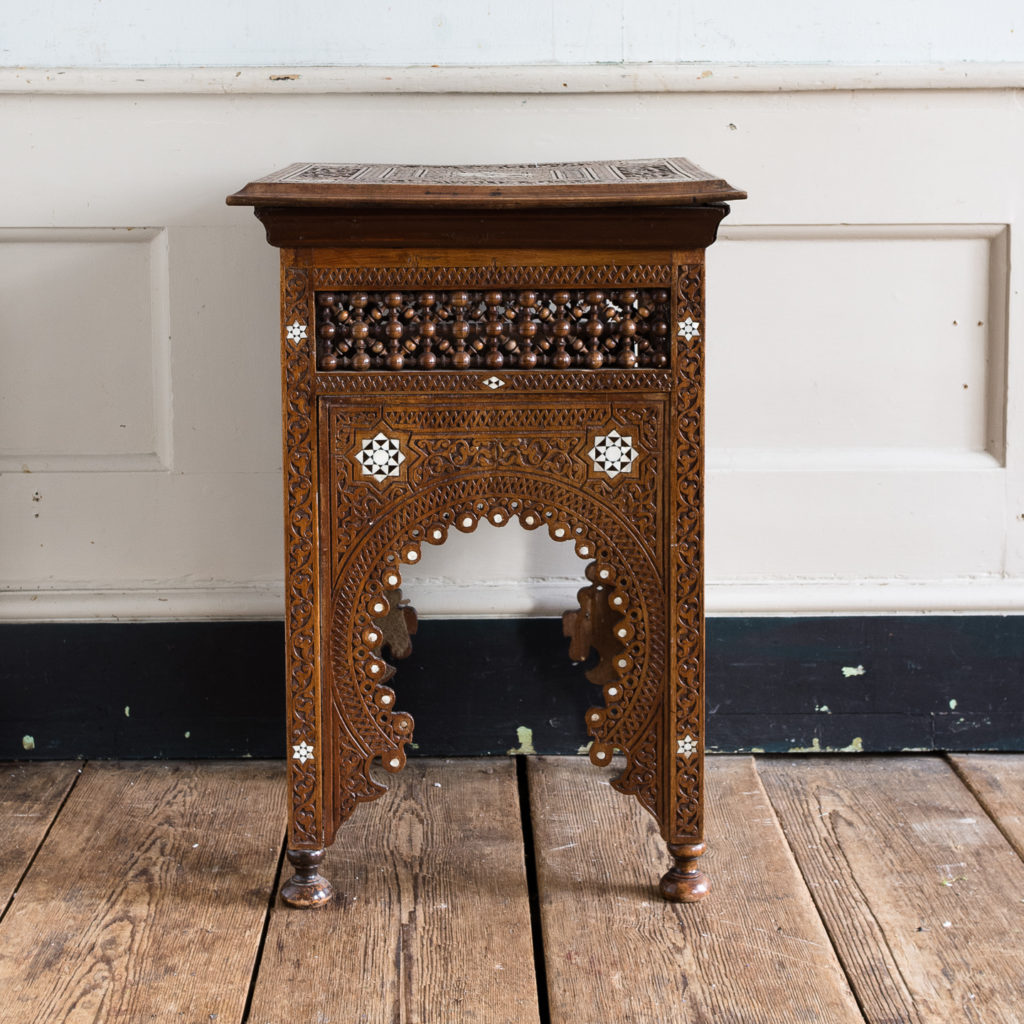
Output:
x=865 y=329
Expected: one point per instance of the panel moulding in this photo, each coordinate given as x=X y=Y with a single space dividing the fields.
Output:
x=996 y=238
x=159 y=458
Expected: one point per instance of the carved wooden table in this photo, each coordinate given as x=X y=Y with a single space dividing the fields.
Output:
x=510 y=343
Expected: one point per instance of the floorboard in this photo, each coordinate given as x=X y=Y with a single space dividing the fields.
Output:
x=147 y=901
x=431 y=921
x=754 y=951
x=30 y=796
x=920 y=892
x=997 y=780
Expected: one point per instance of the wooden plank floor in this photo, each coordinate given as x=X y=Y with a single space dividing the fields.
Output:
x=846 y=889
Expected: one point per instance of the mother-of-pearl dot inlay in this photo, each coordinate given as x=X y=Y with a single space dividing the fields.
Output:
x=529 y=520
x=378 y=607
x=604 y=574
x=411 y=556
x=391 y=580
x=601 y=755
x=616 y=600
x=620 y=632
x=612 y=691
x=385 y=698
x=559 y=532
x=437 y=534
x=371 y=637
x=467 y=521
x=374 y=669
x=394 y=762
x=623 y=663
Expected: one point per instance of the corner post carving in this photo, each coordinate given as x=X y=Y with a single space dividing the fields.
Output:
x=683 y=820
x=305 y=746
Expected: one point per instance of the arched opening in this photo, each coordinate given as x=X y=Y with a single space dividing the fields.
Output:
x=490 y=669
x=622 y=616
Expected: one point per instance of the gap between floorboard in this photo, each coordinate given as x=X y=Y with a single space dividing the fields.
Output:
x=803 y=877
x=42 y=842
x=271 y=901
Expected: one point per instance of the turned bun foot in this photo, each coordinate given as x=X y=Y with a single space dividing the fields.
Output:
x=307 y=887
x=684 y=882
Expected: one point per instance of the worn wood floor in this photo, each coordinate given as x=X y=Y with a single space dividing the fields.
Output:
x=847 y=889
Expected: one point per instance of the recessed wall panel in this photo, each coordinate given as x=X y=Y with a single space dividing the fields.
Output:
x=855 y=343
x=82 y=374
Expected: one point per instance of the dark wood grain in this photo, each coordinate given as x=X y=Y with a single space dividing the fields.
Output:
x=912 y=880
x=755 y=952
x=431 y=918
x=597 y=183
x=997 y=781
x=30 y=797
x=148 y=900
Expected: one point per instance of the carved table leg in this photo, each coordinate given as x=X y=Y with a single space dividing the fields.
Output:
x=684 y=882
x=307 y=887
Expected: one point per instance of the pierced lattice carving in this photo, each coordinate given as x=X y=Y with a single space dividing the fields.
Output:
x=464 y=330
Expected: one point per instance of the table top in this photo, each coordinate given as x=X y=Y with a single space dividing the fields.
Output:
x=660 y=181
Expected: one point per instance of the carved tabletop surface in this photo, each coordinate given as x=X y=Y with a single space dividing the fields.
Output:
x=658 y=181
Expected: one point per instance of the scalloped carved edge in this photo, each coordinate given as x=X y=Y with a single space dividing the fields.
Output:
x=366 y=726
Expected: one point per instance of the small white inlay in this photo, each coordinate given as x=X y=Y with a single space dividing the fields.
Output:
x=689 y=328
x=494 y=383
x=530 y=520
x=623 y=663
x=498 y=517
x=687 y=746
x=467 y=522
x=374 y=668
x=412 y=556
x=612 y=691
x=616 y=600
x=296 y=331
x=392 y=580
x=601 y=755
x=620 y=632
x=302 y=752
x=385 y=698
x=604 y=574
x=438 y=535
x=378 y=607
x=595 y=718
x=559 y=532
x=394 y=762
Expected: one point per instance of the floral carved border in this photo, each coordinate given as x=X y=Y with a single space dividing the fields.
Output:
x=684 y=817
x=301 y=543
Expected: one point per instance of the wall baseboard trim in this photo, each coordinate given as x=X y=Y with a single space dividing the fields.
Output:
x=514 y=79
x=452 y=599
x=795 y=685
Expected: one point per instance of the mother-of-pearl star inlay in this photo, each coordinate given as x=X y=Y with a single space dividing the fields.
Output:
x=380 y=457
x=613 y=453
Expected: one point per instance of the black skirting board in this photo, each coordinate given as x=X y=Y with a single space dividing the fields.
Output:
x=490 y=686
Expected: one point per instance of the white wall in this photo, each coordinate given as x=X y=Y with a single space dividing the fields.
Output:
x=864 y=311
x=141 y=33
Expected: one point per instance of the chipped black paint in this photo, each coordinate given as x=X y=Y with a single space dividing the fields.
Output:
x=215 y=689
